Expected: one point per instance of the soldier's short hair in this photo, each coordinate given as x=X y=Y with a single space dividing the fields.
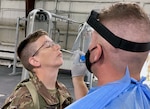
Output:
x=26 y=48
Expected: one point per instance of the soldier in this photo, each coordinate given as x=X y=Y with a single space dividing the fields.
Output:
x=42 y=58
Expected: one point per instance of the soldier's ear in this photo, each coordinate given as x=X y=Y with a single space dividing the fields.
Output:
x=34 y=62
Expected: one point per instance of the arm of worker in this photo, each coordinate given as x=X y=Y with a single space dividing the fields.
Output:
x=78 y=72
x=80 y=88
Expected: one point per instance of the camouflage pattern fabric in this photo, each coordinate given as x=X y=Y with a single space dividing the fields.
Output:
x=21 y=97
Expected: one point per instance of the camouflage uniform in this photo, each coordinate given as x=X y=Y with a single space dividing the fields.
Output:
x=22 y=99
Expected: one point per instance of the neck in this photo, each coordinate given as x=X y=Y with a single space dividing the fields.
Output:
x=48 y=77
x=135 y=76
x=107 y=74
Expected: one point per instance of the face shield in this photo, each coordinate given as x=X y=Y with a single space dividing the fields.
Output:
x=114 y=40
x=83 y=38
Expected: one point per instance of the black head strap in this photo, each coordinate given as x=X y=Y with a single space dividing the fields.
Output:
x=114 y=40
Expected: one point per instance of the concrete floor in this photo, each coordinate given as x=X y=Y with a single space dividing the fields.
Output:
x=8 y=82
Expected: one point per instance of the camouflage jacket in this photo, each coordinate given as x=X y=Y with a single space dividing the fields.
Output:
x=21 y=97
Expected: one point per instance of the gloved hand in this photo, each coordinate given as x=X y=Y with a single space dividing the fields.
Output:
x=78 y=67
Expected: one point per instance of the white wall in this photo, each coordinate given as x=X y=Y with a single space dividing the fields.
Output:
x=77 y=10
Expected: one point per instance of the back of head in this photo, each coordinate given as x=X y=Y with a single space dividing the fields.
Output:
x=125 y=16
x=27 y=48
x=130 y=22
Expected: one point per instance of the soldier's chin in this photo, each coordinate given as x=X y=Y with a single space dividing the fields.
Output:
x=60 y=64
